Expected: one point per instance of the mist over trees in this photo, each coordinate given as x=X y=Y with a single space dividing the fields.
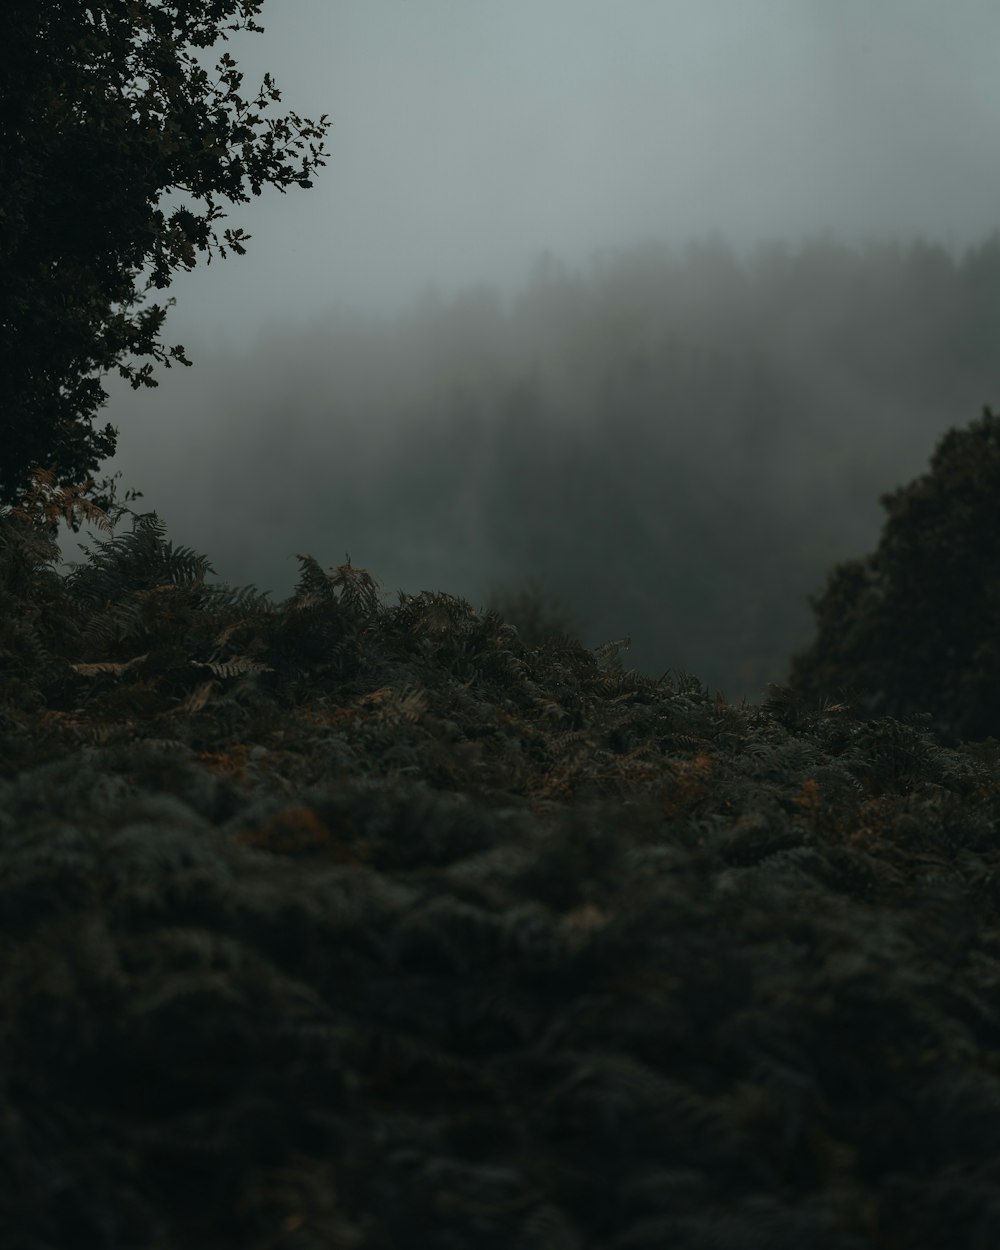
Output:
x=678 y=443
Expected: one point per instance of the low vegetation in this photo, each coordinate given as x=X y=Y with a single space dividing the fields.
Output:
x=342 y=923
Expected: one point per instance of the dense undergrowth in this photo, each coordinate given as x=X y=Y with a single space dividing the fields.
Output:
x=341 y=923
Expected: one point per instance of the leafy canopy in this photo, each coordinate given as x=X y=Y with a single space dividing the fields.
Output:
x=105 y=108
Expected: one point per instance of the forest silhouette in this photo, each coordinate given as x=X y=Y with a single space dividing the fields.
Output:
x=678 y=442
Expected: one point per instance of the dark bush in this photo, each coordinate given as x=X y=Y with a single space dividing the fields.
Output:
x=913 y=627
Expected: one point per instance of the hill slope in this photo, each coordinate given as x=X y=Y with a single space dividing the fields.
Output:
x=335 y=924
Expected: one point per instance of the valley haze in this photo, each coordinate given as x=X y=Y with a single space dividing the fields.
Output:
x=647 y=301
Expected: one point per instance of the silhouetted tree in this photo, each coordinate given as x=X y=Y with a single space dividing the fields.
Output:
x=913 y=626
x=105 y=109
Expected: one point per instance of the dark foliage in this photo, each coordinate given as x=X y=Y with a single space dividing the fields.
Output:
x=106 y=109
x=912 y=627
x=340 y=924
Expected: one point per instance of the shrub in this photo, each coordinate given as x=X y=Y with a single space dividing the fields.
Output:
x=913 y=626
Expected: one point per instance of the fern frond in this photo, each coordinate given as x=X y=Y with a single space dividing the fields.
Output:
x=313 y=585
x=608 y=652
x=46 y=504
x=108 y=666
x=234 y=667
x=358 y=589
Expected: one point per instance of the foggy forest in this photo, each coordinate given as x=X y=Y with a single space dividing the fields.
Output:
x=676 y=442
x=527 y=773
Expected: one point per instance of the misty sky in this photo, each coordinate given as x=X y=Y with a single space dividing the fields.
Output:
x=470 y=135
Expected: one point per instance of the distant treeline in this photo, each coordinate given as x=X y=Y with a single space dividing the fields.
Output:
x=679 y=442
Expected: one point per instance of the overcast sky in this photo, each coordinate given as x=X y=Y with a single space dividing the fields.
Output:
x=471 y=135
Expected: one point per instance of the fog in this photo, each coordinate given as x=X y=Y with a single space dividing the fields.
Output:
x=468 y=136
x=649 y=301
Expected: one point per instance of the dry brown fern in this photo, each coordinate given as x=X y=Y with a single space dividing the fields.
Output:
x=45 y=504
